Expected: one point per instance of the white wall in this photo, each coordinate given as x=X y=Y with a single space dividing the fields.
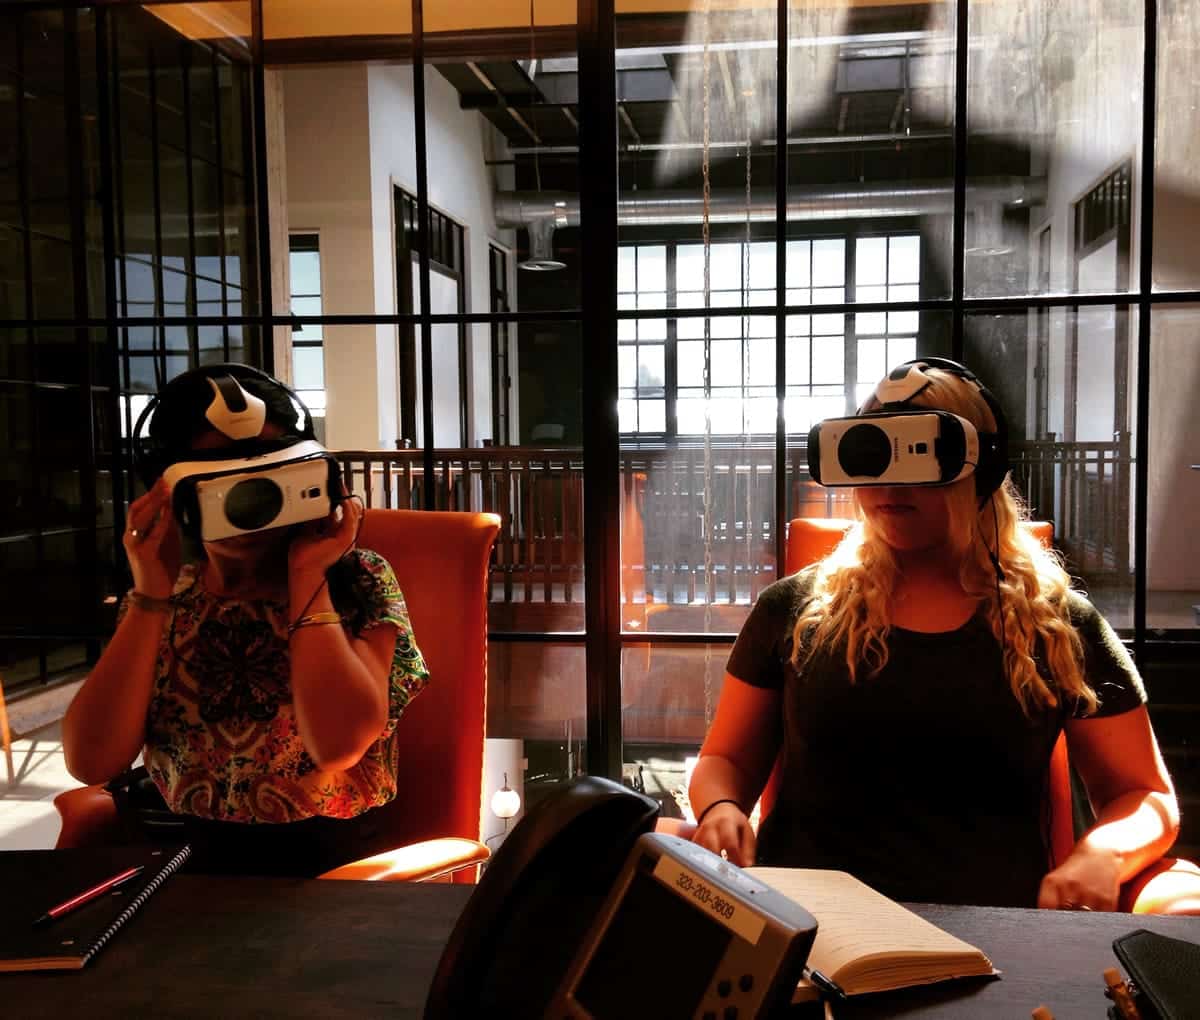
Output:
x=328 y=191
x=349 y=134
x=459 y=142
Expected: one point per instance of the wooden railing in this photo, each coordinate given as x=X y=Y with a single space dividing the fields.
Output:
x=538 y=493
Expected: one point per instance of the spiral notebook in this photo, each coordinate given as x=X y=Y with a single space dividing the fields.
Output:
x=34 y=881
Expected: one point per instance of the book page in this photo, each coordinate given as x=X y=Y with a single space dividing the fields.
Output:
x=855 y=924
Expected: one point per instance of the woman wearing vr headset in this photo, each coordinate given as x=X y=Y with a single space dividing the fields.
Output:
x=261 y=676
x=914 y=683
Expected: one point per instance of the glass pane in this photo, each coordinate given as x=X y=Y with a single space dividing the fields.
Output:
x=1177 y=172
x=873 y=91
x=508 y=127
x=305 y=273
x=871 y=267
x=665 y=582
x=1065 y=382
x=685 y=77
x=651 y=374
x=669 y=695
x=535 y=709
x=1054 y=138
x=828 y=377
x=344 y=128
x=1173 y=567
x=308 y=368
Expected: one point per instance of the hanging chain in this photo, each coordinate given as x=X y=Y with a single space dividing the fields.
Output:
x=747 y=400
x=706 y=234
x=537 y=165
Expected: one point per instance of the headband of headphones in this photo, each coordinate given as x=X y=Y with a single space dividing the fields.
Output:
x=232 y=410
x=896 y=391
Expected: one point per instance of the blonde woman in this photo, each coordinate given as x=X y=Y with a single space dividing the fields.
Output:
x=915 y=683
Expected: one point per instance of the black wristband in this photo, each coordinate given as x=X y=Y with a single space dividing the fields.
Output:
x=723 y=800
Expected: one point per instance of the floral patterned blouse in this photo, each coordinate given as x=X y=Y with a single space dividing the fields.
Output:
x=221 y=734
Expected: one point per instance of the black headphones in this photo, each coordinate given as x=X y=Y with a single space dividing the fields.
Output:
x=993 y=463
x=152 y=457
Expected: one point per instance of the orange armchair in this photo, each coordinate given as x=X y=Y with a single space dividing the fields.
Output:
x=1169 y=886
x=441 y=561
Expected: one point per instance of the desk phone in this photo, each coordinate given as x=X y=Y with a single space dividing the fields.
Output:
x=686 y=934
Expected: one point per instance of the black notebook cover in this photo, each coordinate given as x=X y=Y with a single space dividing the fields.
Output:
x=33 y=881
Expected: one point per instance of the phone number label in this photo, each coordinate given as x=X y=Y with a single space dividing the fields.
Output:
x=686 y=883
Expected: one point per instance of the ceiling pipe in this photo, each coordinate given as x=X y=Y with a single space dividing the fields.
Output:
x=543 y=212
x=797 y=141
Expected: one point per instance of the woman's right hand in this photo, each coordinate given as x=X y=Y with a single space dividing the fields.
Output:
x=152 y=543
x=726 y=827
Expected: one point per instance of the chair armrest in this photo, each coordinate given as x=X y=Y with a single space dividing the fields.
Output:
x=426 y=861
x=89 y=818
x=1170 y=885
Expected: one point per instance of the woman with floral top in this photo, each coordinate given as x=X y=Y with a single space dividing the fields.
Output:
x=262 y=682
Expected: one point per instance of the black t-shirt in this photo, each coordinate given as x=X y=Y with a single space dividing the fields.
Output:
x=926 y=780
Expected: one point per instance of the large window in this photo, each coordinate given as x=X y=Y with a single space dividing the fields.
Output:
x=723 y=383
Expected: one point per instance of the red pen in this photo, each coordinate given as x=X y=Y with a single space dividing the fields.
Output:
x=54 y=913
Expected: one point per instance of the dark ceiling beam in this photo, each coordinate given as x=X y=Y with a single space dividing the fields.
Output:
x=497 y=100
x=639 y=30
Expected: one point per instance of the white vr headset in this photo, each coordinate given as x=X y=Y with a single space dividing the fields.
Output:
x=893 y=448
x=224 y=498
x=287 y=481
x=906 y=445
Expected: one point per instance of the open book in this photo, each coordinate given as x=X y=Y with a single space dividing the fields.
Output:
x=867 y=942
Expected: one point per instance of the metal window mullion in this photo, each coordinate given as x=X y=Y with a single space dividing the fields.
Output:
x=671 y=352
x=160 y=345
x=220 y=160
x=601 y=450
x=959 y=230
x=1145 y=327
x=850 y=321
x=262 y=207
x=73 y=124
x=31 y=332
x=191 y=298
x=105 y=102
x=424 y=241
x=782 y=51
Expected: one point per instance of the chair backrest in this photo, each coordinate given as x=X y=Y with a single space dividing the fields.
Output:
x=810 y=539
x=441 y=562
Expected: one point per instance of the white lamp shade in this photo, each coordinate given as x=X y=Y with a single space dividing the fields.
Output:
x=506 y=802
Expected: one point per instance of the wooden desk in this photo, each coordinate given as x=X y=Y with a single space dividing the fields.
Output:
x=205 y=947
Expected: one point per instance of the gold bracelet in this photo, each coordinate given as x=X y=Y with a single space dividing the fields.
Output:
x=149 y=603
x=314 y=619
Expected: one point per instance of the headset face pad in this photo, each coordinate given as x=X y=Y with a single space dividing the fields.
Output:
x=901 y=448
x=904 y=443
x=213 y=500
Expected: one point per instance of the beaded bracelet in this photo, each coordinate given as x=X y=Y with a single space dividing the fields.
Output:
x=723 y=800
x=313 y=620
x=149 y=603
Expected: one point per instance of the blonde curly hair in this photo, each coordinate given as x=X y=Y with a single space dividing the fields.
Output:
x=851 y=603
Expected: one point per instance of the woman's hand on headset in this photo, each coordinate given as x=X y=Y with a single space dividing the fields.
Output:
x=151 y=543
x=318 y=545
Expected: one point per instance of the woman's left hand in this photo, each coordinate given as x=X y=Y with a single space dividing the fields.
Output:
x=320 y=544
x=1089 y=879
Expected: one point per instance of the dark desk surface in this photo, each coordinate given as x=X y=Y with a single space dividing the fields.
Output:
x=204 y=947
